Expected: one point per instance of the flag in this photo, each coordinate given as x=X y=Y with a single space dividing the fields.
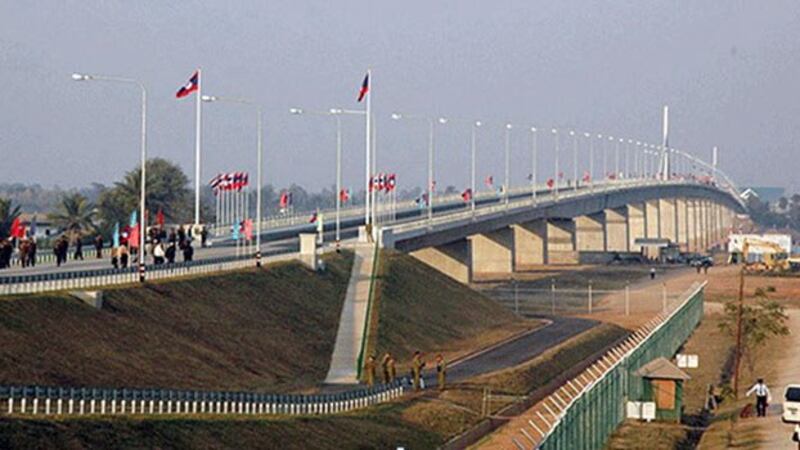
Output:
x=134 y=219
x=248 y=229
x=133 y=238
x=344 y=195
x=433 y=185
x=235 y=231
x=467 y=195
x=160 y=218
x=550 y=183
x=115 y=235
x=364 y=88
x=313 y=217
x=17 y=230
x=391 y=182
x=192 y=85
x=530 y=177
x=422 y=200
x=586 y=176
x=489 y=181
x=286 y=199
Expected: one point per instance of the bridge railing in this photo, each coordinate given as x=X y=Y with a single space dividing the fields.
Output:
x=80 y=401
x=584 y=411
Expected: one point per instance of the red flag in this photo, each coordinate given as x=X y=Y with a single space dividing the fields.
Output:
x=550 y=183
x=313 y=218
x=133 y=238
x=17 y=230
x=586 y=176
x=191 y=86
x=247 y=229
x=467 y=195
x=489 y=181
x=364 y=88
x=344 y=195
x=391 y=183
x=160 y=218
x=286 y=199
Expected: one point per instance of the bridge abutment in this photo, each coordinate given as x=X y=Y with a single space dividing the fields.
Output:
x=451 y=259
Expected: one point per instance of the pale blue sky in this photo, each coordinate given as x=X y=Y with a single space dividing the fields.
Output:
x=728 y=70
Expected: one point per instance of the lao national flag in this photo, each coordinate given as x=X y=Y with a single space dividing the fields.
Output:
x=364 y=88
x=586 y=176
x=550 y=183
x=344 y=195
x=191 y=86
x=391 y=182
x=467 y=195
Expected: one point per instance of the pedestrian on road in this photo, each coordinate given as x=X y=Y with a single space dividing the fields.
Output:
x=369 y=370
x=417 y=364
x=652 y=273
x=796 y=435
x=441 y=371
x=763 y=397
x=188 y=252
x=98 y=246
x=78 y=249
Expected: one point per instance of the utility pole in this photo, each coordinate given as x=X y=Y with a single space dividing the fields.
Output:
x=738 y=335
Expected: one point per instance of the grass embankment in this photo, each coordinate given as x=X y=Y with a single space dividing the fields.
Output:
x=700 y=429
x=269 y=330
x=419 y=308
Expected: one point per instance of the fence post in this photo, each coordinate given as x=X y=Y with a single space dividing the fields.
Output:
x=553 y=294
x=664 y=297
x=627 y=299
x=590 y=296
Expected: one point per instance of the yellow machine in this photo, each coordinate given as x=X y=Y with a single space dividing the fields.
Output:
x=773 y=257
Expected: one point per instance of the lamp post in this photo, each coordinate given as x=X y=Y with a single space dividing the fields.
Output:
x=636 y=165
x=508 y=162
x=591 y=160
x=142 y=182
x=555 y=179
x=602 y=152
x=574 y=160
x=627 y=158
x=534 y=165
x=259 y=160
x=431 y=130
x=336 y=113
x=605 y=154
x=616 y=159
x=474 y=151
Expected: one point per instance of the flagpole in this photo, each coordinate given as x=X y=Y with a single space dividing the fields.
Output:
x=368 y=152
x=338 y=174
x=258 y=192
x=198 y=117
x=374 y=200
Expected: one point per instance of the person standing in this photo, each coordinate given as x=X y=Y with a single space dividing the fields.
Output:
x=188 y=251
x=416 y=369
x=98 y=246
x=170 y=253
x=158 y=253
x=78 y=249
x=369 y=370
x=652 y=273
x=123 y=256
x=796 y=435
x=392 y=369
x=441 y=371
x=385 y=366
x=763 y=397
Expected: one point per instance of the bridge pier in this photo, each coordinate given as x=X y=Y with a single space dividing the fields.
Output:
x=529 y=244
x=560 y=248
x=652 y=219
x=617 y=234
x=590 y=233
x=492 y=254
x=451 y=259
x=692 y=235
x=667 y=219
x=637 y=225
x=682 y=225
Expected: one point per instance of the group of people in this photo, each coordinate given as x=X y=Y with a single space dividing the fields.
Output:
x=388 y=364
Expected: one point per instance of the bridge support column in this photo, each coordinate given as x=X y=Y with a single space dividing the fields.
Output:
x=652 y=219
x=667 y=219
x=560 y=248
x=451 y=259
x=702 y=225
x=617 y=239
x=692 y=225
x=682 y=217
x=590 y=233
x=637 y=226
x=529 y=244
x=492 y=254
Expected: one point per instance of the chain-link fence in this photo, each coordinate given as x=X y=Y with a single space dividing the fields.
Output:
x=584 y=412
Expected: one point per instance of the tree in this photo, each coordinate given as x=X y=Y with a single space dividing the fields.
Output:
x=166 y=190
x=760 y=322
x=75 y=215
x=7 y=216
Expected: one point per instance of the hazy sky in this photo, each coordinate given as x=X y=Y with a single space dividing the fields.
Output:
x=728 y=69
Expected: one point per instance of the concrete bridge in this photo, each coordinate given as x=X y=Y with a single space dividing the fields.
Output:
x=580 y=224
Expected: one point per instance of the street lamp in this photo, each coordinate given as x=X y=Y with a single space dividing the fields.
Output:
x=602 y=152
x=508 y=162
x=431 y=130
x=555 y=179
x=534 y=167
x=336 y=113
x=605 y=154
x=474 y=151
x=142 y=182
x=574 y=160
x=591 y=160
x=260 y=158
x=627 y=158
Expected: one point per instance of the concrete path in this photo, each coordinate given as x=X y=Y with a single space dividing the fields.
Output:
x=349 y=337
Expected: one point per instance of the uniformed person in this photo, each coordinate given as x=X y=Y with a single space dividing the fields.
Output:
x=392 y=369
x=417 y=364
x=385 y=366
x=369 y=369
x=441 y=371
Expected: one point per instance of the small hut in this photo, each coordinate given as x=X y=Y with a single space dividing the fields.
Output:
x=664 y=386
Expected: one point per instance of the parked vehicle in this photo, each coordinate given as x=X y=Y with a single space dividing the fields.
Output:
x=791 y=404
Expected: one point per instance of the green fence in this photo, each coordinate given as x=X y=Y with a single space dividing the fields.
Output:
x=591 y=417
